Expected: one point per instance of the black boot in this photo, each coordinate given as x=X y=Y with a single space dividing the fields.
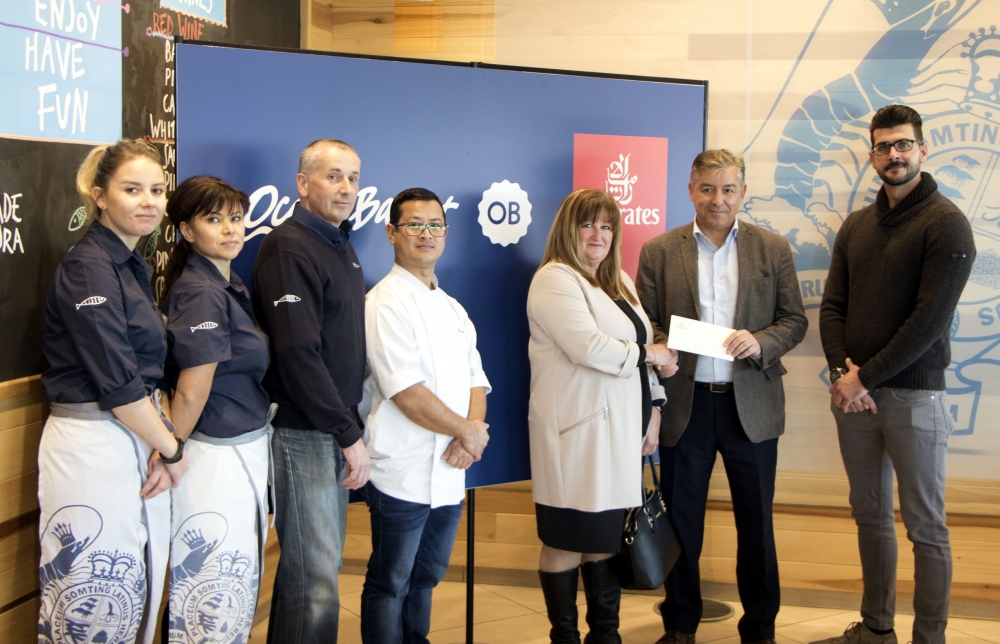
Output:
x=559 y=589
x=604 y=596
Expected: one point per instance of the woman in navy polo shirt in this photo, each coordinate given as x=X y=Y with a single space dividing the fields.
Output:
x=218 y=356
x=103 y=457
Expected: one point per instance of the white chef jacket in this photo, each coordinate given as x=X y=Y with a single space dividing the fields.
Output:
x=416 y=335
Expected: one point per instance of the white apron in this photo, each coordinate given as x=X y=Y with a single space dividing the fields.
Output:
x=104 y=548
x=219 y=528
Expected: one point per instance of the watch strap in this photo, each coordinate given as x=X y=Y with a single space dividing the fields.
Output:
x=176 y=458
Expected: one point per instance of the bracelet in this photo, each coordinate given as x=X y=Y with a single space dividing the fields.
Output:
x=654 y=354
x=176 y=458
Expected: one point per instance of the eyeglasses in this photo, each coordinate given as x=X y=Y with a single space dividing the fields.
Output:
x=413 y=228
x=902 y=145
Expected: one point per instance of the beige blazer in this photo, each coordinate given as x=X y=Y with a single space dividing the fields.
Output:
x=585 y=411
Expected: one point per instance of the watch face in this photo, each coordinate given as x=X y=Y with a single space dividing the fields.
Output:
x=835 y=375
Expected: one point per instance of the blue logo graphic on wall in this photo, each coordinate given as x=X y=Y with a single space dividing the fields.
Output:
x=87 y=594
x=928 y=58
x=213 y=592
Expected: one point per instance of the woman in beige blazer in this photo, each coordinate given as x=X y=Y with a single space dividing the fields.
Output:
x=593 y=411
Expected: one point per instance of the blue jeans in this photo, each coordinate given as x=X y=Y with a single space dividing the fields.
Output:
x=908 y=437
x=311 y=521
x=411 y=546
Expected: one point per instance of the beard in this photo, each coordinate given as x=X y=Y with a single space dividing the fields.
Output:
x=912 y=170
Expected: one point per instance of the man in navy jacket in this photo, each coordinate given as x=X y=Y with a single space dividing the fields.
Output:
x=309 y=296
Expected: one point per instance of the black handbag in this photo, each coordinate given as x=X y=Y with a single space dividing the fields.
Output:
x=649 y=545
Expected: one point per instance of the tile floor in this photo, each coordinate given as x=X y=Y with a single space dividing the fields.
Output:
x=515 y=614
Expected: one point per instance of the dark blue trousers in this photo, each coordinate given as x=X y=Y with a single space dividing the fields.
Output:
x=411 y=547
x=685 y=472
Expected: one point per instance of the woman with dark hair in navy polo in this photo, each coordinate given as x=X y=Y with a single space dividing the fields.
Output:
x=217 y=360
x=107 y=451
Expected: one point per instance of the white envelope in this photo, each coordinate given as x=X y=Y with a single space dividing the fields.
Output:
x=694 y=336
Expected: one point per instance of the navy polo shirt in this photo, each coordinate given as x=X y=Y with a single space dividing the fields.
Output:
x=309 y=296
x=104 y=337
x=210 y=319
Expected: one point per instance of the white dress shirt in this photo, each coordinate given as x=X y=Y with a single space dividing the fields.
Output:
x=718 y=284
x=416 y=335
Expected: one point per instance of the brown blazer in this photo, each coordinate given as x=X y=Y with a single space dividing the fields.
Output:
x=768 y=304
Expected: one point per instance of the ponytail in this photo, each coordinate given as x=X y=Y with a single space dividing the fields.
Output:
x=175 y=266
x=85 y=180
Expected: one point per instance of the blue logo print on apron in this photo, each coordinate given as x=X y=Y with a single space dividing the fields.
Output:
x=94 y=595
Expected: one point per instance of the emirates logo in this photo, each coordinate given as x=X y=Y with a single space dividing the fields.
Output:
x=620 y=181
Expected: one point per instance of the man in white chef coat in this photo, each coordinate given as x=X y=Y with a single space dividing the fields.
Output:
x=426 y=425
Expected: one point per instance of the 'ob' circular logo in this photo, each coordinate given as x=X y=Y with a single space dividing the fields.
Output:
x=504 y=213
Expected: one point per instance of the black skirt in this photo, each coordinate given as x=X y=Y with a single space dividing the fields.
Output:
x=579 y=531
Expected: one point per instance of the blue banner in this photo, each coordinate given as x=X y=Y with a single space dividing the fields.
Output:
x=61 y=70
x=495 y=144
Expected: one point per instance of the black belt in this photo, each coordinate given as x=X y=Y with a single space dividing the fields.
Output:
x=716 y=387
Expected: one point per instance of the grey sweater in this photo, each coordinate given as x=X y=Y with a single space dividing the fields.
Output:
x=895 y=279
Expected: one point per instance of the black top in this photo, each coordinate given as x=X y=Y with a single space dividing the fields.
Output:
x=895 y=279
x=309 y=297
x=210 y=319
x=640 y=337
x=104 y=337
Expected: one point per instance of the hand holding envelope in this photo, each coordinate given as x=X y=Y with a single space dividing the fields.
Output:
x=702 y=338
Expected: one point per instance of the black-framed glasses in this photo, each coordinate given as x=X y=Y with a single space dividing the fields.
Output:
x=902 y=145
x=414 y=229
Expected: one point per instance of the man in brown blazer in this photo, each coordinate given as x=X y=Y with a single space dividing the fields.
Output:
x=737 y=275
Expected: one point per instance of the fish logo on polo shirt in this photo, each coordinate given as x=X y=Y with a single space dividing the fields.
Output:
x=94 y=300
x=205 y=325
x=288 y=298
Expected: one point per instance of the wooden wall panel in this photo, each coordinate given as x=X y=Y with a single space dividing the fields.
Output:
x=459 y=30
x=20 y=623
x=22 y=414
x=18 y=496
x=19 y=450
x=19 y=543
x=18 y=582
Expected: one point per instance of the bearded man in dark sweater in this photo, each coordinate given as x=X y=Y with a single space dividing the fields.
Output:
x=898 y=269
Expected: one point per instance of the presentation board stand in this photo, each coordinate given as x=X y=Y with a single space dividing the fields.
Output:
x=470 y=566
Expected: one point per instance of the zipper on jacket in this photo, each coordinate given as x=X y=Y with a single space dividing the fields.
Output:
x=597 y=413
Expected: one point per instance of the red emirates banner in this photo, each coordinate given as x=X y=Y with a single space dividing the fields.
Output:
x=633 y=170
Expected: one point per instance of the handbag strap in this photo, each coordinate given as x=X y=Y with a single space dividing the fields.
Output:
x=656 y=477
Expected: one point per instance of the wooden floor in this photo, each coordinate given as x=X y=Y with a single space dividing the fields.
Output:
x=516 y=615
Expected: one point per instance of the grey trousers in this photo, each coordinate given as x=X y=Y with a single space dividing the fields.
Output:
x=909 y=434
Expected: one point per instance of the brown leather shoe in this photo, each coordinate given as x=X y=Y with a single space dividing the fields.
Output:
x=676 y=637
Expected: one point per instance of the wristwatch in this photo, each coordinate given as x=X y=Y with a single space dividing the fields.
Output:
x=176 y=458
x=837 y=374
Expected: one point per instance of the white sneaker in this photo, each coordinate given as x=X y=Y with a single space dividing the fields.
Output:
x=858 y=633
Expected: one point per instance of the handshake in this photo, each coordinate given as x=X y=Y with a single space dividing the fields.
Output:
x=661 y=358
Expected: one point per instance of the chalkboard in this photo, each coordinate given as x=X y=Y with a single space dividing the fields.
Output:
x=126 y=90
x=37 y=225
